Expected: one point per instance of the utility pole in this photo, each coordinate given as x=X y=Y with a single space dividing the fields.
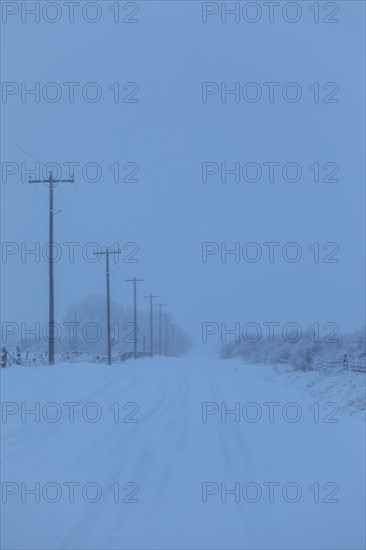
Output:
x=134 y=281
x=166 y=339
x=151 y=298
x=51 y=342
x=178 y=339
x=106 y=253
x=160 y=319
x=77 y=332
x=172 y=336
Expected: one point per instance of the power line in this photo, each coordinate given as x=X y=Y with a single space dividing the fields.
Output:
x=38 y=191
x=19 y=147
x=29 y=155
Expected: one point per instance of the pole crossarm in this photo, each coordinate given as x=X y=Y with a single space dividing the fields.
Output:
x=107 y=252
x=52 y=180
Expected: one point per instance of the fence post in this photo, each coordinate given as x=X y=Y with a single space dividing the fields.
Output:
x=345 y=362
x=4 y=357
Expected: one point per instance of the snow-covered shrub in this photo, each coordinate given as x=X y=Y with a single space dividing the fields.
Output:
x=304 y=354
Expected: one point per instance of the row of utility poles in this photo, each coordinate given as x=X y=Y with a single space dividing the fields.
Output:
x=52 y=183
x=107 y=252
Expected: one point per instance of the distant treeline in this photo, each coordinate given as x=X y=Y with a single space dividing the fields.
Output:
x=83 y=329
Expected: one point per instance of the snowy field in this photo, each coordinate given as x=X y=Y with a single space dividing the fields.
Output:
x=143 y=456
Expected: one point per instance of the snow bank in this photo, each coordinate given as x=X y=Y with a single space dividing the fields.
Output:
x=346 y=388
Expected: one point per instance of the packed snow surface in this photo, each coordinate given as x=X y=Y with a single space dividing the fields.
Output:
x=146 y=455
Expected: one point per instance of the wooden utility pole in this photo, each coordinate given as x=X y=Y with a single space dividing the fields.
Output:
x=77 y=331
x=172 y=337
x=107 y=253
x=151 y=298
x=51 y=342
x=160 y=306
x=134 y=281
x=166 y=339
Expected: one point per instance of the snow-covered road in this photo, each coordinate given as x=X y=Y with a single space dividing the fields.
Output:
x=149 y=442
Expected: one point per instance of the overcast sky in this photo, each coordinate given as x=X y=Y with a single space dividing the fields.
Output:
x=169 y=133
